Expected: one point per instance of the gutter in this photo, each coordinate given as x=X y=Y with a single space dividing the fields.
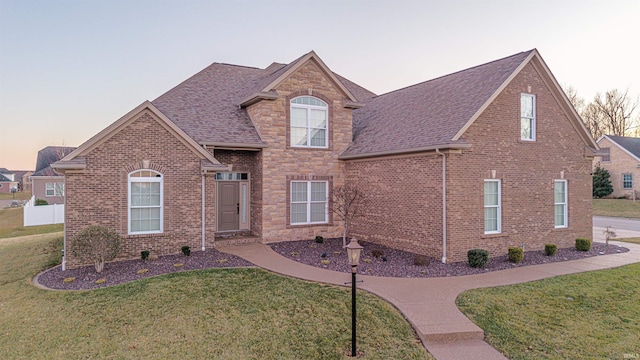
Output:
x=444 y=205
x=405 y=151
x=64 y=228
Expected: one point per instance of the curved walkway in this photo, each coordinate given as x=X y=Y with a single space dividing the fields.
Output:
x=429 y=303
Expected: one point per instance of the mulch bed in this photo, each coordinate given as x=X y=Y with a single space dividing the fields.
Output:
x=119 y=272
x=401 y=263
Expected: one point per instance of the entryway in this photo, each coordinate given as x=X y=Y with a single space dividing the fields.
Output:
x=232 y=201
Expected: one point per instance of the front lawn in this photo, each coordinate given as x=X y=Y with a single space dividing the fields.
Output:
x=11 y=221
x=629 y=240
x=20 y=195
x=594 y=315
x=210 y=314
x=616 y=208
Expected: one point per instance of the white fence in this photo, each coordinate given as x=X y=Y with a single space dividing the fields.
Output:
x=42 y=215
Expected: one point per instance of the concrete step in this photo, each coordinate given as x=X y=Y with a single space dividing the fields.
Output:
x=236 y=240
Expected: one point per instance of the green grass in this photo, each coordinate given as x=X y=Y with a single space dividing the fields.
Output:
x=11 y=224
x=594 y=315
x=21 y=195
x=616 y=208
x=210 y=314
x=629 y=240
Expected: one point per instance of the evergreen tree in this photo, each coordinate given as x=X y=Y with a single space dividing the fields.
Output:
x=601 y=182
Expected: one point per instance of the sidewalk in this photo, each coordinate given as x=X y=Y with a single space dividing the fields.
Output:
x=429 y=304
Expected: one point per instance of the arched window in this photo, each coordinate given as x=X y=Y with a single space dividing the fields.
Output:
x=145 y=202
x=309 y=122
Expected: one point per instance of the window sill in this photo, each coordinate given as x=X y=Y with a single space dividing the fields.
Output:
x=289 y=226
x=490 y=236
x=143 y=236
x=564 y=228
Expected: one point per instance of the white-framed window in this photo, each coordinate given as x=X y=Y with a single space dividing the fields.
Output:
x=492 y=206
x=309 y=122
x=561 y=210
x=145 y=202
x=627 y=181
x=527 y=117
x=54 y=189
x=309 y=202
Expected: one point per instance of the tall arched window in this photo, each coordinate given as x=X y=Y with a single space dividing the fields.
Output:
x=145 y=202
x=309 y=122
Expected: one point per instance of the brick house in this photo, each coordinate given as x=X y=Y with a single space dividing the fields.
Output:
x=46 y=183
x=8 y=181
x=254 y=154
x=622 y=160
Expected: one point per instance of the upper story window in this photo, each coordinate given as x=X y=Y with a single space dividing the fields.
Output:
x=627 y=181
x=528 y=117
x=145 y=202
x=607 y=156
x=309 y=122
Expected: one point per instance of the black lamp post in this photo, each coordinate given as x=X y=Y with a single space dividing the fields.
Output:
x=353 y=251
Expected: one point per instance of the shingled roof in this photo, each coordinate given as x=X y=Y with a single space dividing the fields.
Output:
x=48 y=156
x=207 y=105
x=428 y=114
x=630 y=144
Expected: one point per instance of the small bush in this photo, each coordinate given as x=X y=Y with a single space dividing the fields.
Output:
x=319 y=239
x=40 y=202
x=186 y=250
x=420 y=260
x=550 y=249
x=376 y=253
x=325 y=262
x=96 y=244
x=101 y=281
x=142 y=271
x=583 y=244
x=478 y=258
x=368 y=261
x=178 y=265
x=144 y=255
x=516 y=254
x=68 y=280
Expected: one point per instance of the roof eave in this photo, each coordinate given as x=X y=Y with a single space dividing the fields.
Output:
x=405 y=151
x=256 y=97
x=214 y=144
x=353 y=105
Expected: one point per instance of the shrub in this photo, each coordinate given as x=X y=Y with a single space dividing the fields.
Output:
x=550 y=249
x=478 y=258
x=319 y=239
x=186 y=250
x=144 y=255
x=96 y=244
x=516 y=254
x=583 y=244
x=376 y=253
x=40 y=202
x=601 y=182
x=420 y=260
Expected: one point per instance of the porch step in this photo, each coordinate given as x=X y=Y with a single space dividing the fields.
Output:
x=236 y=240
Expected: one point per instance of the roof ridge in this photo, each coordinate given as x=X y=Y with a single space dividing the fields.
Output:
x=236 y=65
x=454 y=73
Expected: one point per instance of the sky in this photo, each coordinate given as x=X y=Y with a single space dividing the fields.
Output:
x=70 y=68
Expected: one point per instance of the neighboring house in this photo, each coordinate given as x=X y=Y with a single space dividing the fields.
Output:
x=239 y=151
x=622 y=160
x=8 y=181
x=46 y=184
x=25 y=181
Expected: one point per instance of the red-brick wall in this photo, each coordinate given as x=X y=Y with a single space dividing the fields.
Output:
x=98 y=195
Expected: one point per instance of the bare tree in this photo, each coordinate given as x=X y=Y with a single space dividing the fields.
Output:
x=574 y=98
x=617 y=110
x=349 y=203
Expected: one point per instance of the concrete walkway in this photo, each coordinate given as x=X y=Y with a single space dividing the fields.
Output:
x=429 y=303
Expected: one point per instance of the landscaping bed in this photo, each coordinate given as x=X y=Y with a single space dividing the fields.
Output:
x=401 y=263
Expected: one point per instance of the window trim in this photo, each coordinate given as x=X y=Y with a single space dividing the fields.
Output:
x=130 y=180
x=308 y=108
x=630 y=181
x=308 y=202
x=533 y=121
x=498 y=206
x=565 y=203
x=55 y=189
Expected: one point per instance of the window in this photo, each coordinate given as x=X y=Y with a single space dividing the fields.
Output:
x=54 y=189
x=607 y=156
x=627 y=181
x=492 y=207
x=309 y=117
x=145 y=202
x=527 y=117
x=560 y=203
x=309 y=202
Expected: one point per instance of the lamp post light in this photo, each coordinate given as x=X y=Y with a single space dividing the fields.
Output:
x=353 y=251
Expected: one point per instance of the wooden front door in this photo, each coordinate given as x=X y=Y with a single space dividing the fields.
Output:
x=228 y=206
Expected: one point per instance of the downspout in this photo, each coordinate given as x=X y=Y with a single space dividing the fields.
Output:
x=202 y=210
x=64 y=227
x=444 y=205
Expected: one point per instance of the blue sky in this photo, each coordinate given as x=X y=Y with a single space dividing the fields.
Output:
x=70 y=68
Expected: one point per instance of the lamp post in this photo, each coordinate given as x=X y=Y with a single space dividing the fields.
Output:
x=353 y=251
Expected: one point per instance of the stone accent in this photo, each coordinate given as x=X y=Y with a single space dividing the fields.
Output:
x=621 y=163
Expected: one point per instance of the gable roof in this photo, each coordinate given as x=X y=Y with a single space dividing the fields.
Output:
x=76 y=160
x=436 y=113
x=207 y=106
x=630 y=145
x=48 y=156
x=5 y=179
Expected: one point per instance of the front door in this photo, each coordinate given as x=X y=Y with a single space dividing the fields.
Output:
x=228 y=206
